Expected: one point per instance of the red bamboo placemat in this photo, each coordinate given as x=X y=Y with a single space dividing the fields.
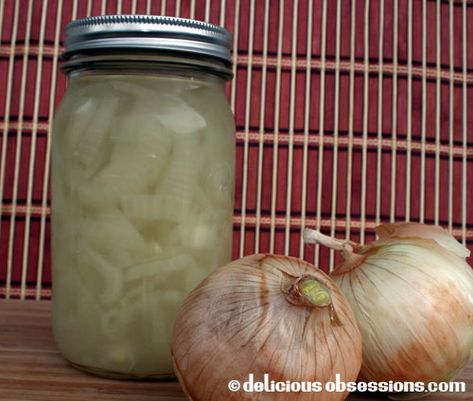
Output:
x=348 y=113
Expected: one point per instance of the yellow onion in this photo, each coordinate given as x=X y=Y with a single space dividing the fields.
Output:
x=265 y=314
x=412 y=294
x=416 y=230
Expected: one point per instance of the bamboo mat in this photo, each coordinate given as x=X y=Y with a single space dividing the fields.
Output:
x=32 y=369
x=348 y=113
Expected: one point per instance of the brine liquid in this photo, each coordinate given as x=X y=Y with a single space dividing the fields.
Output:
x=142 y=202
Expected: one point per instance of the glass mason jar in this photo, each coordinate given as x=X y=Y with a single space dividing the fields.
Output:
x=142 y=186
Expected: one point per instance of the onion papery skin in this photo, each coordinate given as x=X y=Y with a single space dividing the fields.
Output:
x=418 y=230
x=239 y=321
x=413 y=300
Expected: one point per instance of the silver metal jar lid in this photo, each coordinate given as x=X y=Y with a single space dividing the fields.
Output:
x=147 y=32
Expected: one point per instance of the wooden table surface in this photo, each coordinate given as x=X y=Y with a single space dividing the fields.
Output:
x=31 y=367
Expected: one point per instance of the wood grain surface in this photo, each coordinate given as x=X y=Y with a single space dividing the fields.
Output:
x=31 y=367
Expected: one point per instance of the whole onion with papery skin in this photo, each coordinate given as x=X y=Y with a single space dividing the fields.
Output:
x=412 y=294
x=265 y=314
